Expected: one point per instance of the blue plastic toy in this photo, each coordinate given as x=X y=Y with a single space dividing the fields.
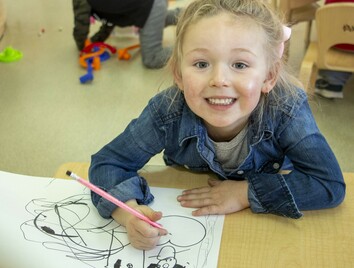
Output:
x=88 y=77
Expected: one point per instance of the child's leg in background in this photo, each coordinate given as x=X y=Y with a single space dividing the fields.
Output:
x=82 y=13
x=335 y=77
x=172 y=16
x=153 y=54
x=103 y=33
x=331 y=83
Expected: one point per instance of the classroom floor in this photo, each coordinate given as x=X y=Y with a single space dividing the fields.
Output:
x=48 y=118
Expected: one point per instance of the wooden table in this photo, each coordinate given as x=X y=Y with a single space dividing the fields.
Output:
x=323 y=238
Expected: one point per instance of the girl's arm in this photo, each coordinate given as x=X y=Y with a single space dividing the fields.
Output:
x=316 y=181
x=115 y=167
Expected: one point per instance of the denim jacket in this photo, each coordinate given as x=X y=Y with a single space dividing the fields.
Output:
x=290 y=133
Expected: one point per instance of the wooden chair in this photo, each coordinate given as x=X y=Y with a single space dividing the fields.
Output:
x=296 y=11
x=335 y=25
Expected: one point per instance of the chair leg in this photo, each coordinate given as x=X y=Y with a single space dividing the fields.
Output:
x=309 y=69
x=308 y=33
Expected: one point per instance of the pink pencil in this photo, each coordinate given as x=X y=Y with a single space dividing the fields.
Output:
x=112 y=199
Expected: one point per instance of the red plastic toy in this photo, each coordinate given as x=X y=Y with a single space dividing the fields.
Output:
x=88 y=48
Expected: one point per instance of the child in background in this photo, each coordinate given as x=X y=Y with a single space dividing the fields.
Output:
x=330 y=83
x=151 y=16
x=82 y=15
x=233 y=111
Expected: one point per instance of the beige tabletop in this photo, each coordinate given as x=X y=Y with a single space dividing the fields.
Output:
x=323 y=238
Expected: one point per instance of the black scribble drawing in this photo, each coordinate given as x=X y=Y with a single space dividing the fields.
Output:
x=63 y=226
x=73 y=228
x=166 y=259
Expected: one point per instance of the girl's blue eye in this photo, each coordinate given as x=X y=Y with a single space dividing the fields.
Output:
x=240 y=65
x=201 y=64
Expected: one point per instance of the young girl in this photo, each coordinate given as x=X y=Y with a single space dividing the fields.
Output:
x=234 y=111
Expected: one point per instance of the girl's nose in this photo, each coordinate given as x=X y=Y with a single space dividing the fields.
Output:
x=219 y=77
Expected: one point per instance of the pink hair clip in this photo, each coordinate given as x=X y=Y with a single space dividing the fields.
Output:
x=286 y=36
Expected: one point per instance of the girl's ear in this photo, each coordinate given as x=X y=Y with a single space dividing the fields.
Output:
x=271 y=79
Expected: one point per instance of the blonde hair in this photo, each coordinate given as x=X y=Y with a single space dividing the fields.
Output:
x=263 y=16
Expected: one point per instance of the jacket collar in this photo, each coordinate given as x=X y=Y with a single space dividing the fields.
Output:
x=191 y=125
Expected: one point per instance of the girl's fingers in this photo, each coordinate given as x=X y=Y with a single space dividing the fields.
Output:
x=196 y=203
x=194 y=196
x=197 y=190
x=208 y=210
x=143 y=236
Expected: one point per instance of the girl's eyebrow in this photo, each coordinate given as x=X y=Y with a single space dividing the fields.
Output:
x=205 y=50
x=244 y=50
x=202 y=50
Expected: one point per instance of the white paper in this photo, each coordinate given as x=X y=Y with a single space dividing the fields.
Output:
x=48 y=222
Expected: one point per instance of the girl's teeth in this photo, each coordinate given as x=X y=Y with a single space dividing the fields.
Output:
x=221 y=101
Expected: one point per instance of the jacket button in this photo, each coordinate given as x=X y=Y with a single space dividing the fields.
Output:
x=276 y=166
x=240 y=172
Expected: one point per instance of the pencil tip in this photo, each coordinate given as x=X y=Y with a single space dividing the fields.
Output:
x=68 y=173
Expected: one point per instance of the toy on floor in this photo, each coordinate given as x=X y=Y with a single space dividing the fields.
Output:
x=94 y=53
x=92 y=56
x=10 y=54
x=88 y=76
x=123 y=54
x=89 y=46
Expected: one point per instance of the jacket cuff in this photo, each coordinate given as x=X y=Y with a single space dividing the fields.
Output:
x=133 y=188
x=269 y=193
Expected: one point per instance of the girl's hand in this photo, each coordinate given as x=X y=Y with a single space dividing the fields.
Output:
x=140 y=233
x=220 y=197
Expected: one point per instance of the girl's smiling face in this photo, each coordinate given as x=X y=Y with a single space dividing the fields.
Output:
x=223 y=72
